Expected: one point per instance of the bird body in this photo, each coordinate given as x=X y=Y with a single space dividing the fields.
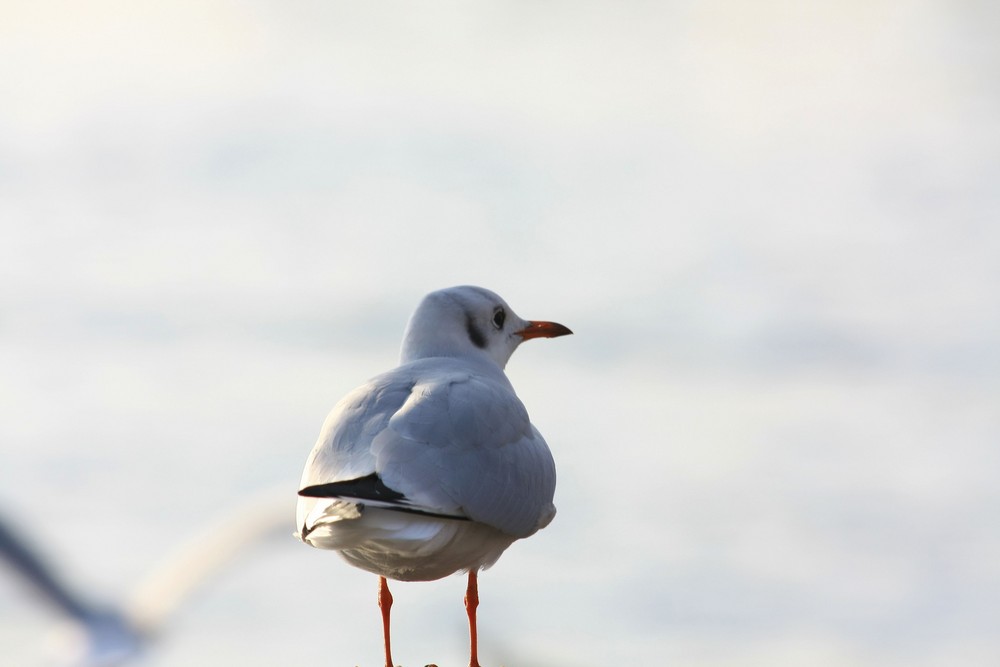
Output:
x=433 y=467
x=468 y=499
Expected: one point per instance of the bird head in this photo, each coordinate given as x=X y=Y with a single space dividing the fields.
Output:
x=470 y=322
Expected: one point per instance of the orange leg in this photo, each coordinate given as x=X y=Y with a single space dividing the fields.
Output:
x=385 y=604
x=471 y=602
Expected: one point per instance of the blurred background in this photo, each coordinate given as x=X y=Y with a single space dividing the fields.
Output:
x=773 y=227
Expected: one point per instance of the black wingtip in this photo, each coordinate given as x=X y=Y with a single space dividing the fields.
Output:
x=369 y=487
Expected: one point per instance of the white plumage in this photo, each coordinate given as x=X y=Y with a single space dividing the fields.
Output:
x=433 y=467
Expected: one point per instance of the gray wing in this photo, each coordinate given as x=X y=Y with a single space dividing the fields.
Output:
x=462 y=443
x=344 y=448
x=343 y=451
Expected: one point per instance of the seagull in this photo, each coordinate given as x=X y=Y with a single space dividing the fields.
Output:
x=433 y=467
x=114 y=634
x=96 y=635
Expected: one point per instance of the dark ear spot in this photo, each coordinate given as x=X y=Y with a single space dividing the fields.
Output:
x=475 y=335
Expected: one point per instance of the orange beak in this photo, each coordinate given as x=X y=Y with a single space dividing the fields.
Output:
x=536 y=329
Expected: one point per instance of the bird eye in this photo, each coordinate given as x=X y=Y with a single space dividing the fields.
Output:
x=498 y=318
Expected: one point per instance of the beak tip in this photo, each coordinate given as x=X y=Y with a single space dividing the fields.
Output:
x=540 y=329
